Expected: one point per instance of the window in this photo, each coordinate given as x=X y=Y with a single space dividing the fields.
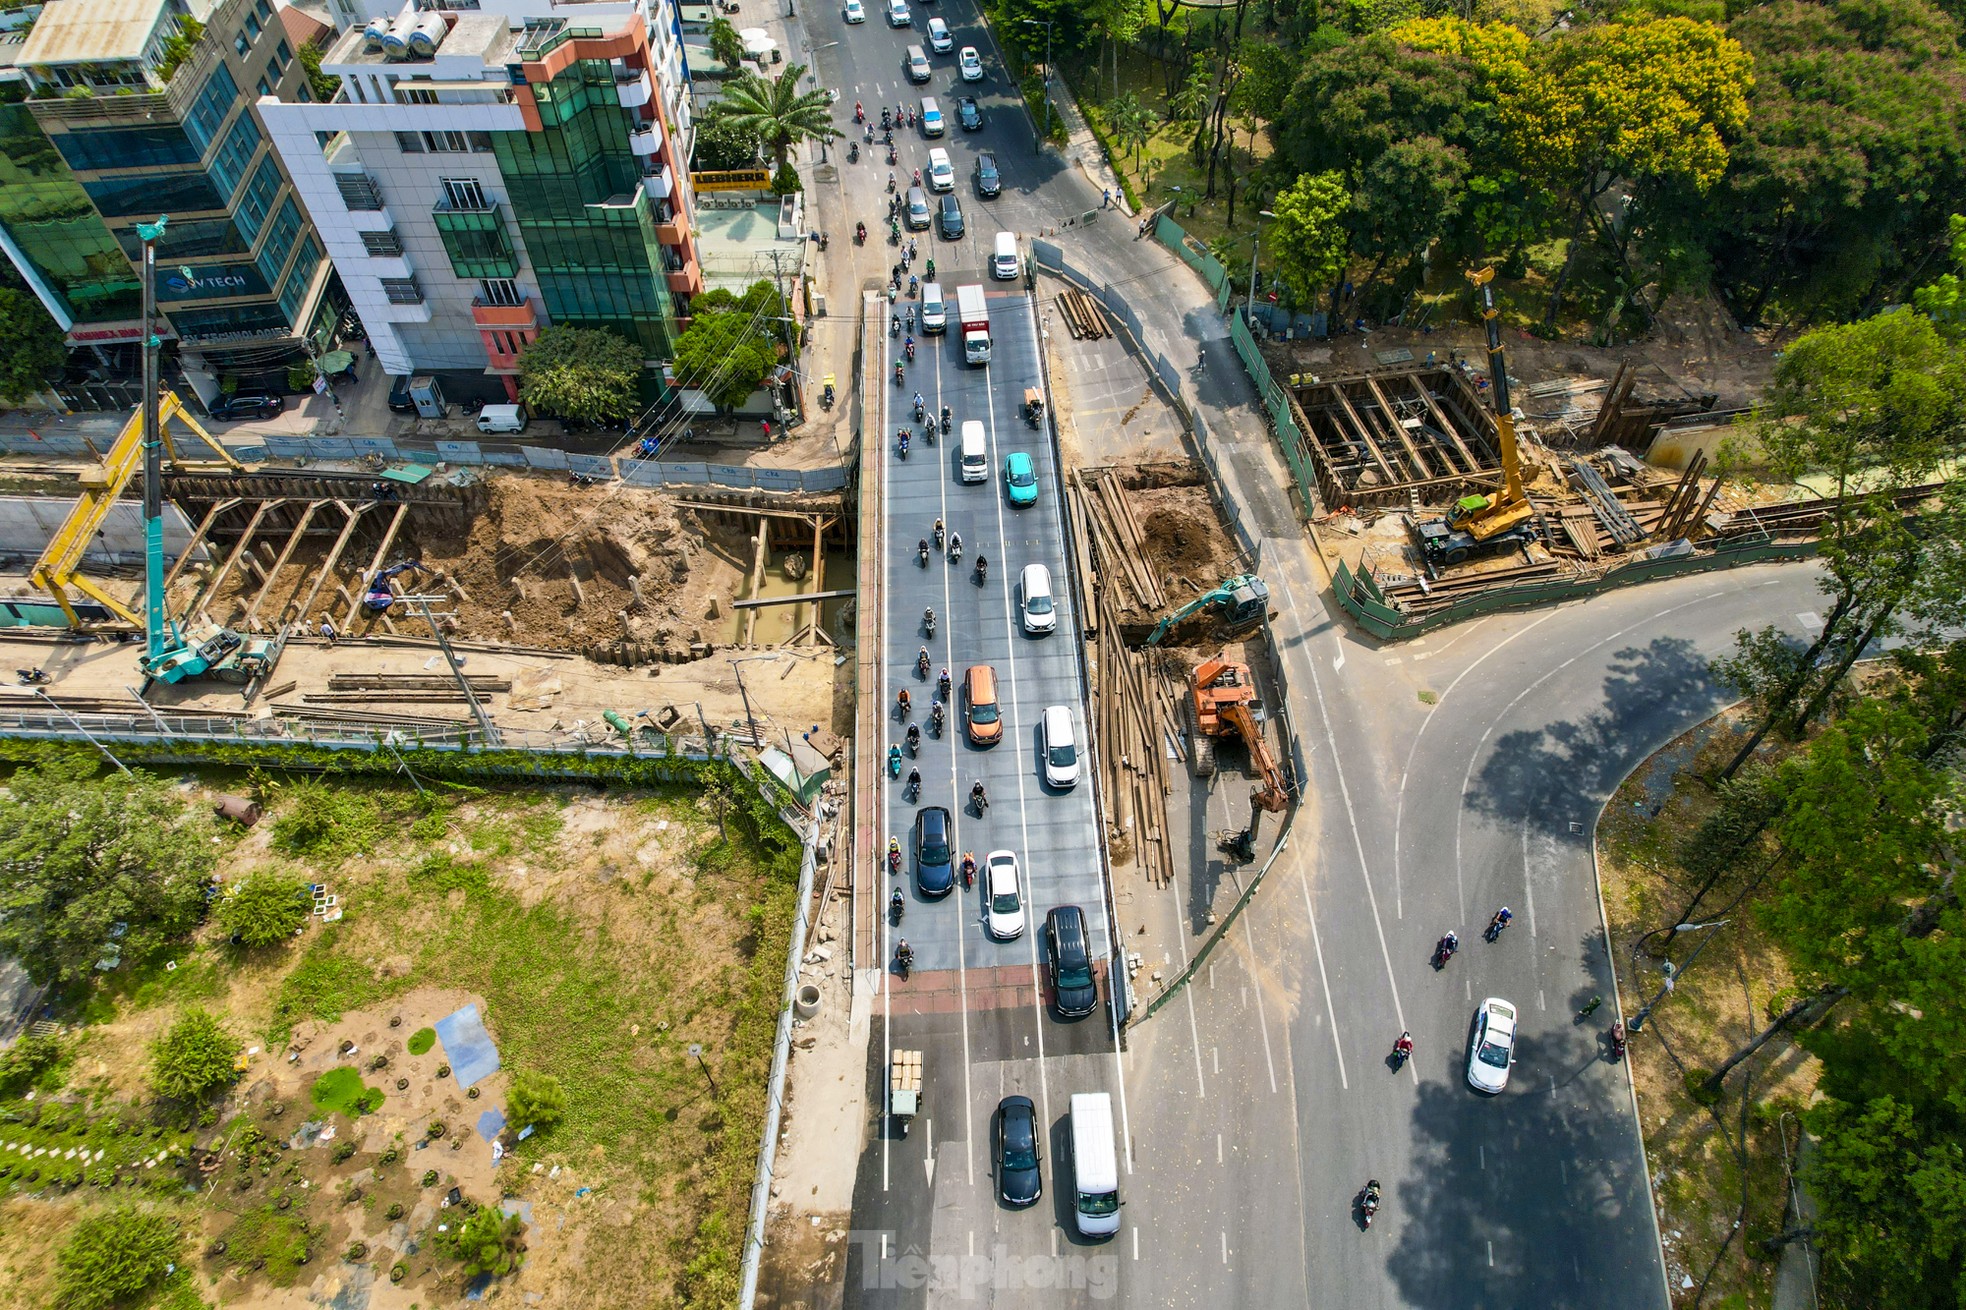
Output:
x=501 y=291
x=445 y=143
x=229 y=165
x=412 y=95
x=209 y=109
x=410 y=143
x=281 y=234
x=301 y=278
x=282 y=56
x=256 y=201
x=252 y=29
x=125 y=147
x=241 y=44
x=481 y=142
x=464 y=193
x=197 y=238
x=402 y=290
x=264 y=10
x=265 y=87
x=383 y=244
x=150 y=194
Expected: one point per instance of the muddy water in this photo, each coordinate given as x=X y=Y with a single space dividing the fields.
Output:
x=778 y=623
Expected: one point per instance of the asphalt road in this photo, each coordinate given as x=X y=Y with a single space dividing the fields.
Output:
x=1261 y=1100
x=927 y=1224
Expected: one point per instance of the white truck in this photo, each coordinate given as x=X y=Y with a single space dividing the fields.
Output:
x=975 y=319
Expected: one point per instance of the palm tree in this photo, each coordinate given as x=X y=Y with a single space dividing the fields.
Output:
x=726 y=46
x=1134 y=126
x=777 y=111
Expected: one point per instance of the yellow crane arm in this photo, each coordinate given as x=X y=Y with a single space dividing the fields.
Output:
x=60 y=564
x=1509 y=506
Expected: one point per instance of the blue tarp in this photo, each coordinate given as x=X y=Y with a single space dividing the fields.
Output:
x=467 y=1046
x=490 y=1124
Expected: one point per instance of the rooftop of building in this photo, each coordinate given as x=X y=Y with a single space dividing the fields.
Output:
x=92 y=31
x=731 y=244
x=484 y=37
x=307 y=26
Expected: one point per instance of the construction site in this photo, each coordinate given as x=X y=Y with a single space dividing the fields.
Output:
x=456 y=604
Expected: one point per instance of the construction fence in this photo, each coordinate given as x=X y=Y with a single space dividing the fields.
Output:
x=475 y=454
x=1360 y=596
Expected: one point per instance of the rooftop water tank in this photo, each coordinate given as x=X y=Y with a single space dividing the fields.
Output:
x=428 y=33
x=376 y=33
x=396 y=41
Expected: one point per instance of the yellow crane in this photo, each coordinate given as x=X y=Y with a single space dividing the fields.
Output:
x=60 y=565
x=1479 y=525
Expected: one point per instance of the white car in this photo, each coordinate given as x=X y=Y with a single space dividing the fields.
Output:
x=1059 y=741
x=1003 y=916
x=853 y=11
x=939 y=39
x=1493 y=1049
x=971 y=64
x=941 y=173
x=898 y=14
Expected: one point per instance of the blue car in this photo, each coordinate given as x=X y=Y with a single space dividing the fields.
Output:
x=935 y=861
x=1020 y=478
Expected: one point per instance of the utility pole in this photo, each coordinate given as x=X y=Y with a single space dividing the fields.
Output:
x=153 y=454
x=486 y=727
x=797 y=408
x=1261 y=214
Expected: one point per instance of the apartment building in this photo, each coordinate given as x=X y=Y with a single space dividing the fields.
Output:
x=126 y=109
x=484 y=172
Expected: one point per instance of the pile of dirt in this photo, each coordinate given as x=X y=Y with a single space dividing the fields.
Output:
x=560 y=558
x=1184 y=539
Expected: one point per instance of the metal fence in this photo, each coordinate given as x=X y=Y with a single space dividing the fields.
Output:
x=1196 y=256
x=637 y=472
x=1359 y=593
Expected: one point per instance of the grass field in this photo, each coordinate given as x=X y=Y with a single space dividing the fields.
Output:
x=600 y=935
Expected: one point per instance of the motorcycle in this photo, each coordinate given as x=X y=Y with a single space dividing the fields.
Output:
x=827 y=393
x=1369 y=1201
x=31 y=677
x=904 y=959
x=914 y=787
x=982 y=570
x=909 y=350
x=1618 y=1041
x=920 y=409
x=1444 y=950
x=894 y=852
x=1495 y=926
x=969 y=869
x=893 y=156
x=922 y=552
x=914 y=740
x=980 y=799
x=893 y=761
x=955 y=550
x=935 y=718
x=945 y=420
x=904 y=445
x=1402 y=1051
x=921 y=664
x=859 y=114
x=894 y=325
x=928 y=621
x=900 y=375
x=942 y=684
x=897 y=905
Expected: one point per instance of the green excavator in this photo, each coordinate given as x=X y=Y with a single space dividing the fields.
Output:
x=1241 y=603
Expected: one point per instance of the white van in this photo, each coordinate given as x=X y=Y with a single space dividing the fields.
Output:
x=975 y=453
x=1003 y=264
x=1060 y=742
x=1040 y=615
x=501 y=418
x=935 y=310
x=1095 y=1165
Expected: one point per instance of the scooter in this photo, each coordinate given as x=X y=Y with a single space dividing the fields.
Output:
x=1369 y=1202
x=1402 y=1051
x=897 y=905
x=1618 y=1040
x=1444 y=950
x=894 y=761
x=894 y=852
x=31 y=677
x=892 y=155
x=904 y=445
x=1495 y=926
x=914 y=740
x=935 y=718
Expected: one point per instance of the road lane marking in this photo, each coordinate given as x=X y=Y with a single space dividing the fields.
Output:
x=1528 y=883
x=884 y=931
x=1539 y=1000
x=1324 y=979
x=1218 y=1148
x=1491 y=1254
x=928 y=1149
x=1215 y=1055
x=1136 y=1242
x=1225 y=1247
x=1809 y=619
x=1263 y=1025
x=1481 y=1157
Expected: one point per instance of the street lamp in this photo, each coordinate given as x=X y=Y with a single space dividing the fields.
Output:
x=1261 y=214
x=1046 y=25
x=1671 y=973
x=696 y=1053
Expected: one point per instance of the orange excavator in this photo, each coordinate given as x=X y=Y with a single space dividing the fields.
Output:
x=1222 y=703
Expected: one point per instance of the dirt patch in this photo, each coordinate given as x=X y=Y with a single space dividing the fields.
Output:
x=1705 y=1159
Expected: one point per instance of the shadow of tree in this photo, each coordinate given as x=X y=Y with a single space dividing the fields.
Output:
x=1560 y=773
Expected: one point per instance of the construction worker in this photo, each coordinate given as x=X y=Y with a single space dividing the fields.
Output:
x=327 y=630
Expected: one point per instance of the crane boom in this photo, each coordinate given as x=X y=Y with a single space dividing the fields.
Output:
x=1482 y=517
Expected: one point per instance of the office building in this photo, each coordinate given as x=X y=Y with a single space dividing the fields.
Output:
x=127 y=109
x=485 y=172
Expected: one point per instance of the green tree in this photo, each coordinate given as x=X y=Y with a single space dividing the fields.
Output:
x=31 y=349
x=1408 y=198
x=323 y=85
x=1132 y=122
x=1650 y=98
x=721 y=145
x=264 y=907
x=536 y=1100
x=1890 y=1191
x=488 y=1242
x=193 y=1057
x=112 y=1256
x=1188 y=101
x=23 y=1063
x=776 y=111
x=1855 y=109
x=1308 y=237
x=1874 y=407
x=589 y=375
x=1944 y=301
x=84 y=855
x=731 y=346
x=726 y=46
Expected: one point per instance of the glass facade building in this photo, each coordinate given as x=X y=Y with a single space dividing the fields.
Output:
x=134 y=135
x=576 y=192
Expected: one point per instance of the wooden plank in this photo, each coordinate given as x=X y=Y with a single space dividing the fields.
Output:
x=1364 y=433
x=203 y=527
x=1447 y=425
x=381 y=551
x=334 y=557
x=219 y=575
x=1390 y=417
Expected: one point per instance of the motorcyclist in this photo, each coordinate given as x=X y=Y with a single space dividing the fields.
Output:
x=1446 y=946
x=894 y=761
x=942 y=684
x=1501 y=920
x=969 y=868
x=982 y=568
x=914 y=779
x=859 y=114
x=978 y=796
x=1404 y=1046
x=890 y=178
x=906 y=703
x=918 y=177
x=938 y=522
x=900 y=372
x=859 y=231
x=921 y=550
x=928 y=620
x=956 y=546
x=945 y=420
x=887 y=117
x=914 y=737
x=909 y=350
x=931 y=268
x=904 y=441
x=853 y=157
x=897 y=903
x=914 y=284
x=935 y=717
x=894 y=325
x=921 y=656
x=904 y=954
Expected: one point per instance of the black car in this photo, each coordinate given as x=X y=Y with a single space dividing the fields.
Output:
x=968 y=115
x=1068 y=958
x=1014 y=1152
x=399 y=397
x=988 y=183
x=935 y=860
x=247 y=404
x=950 y=216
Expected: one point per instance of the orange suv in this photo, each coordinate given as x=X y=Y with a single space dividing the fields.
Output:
x=985 y=715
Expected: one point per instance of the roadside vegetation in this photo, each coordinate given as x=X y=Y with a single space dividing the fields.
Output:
x=1815 y=1027
x=1798 y=159
x=144 y=1140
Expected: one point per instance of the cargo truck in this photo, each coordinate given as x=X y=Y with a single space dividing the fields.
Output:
x=975 y=320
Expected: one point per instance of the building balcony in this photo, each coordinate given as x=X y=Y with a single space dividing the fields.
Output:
x=672 y=233
x=655 y=181
x=505 y=317
x=633 y=86
x=687 y=280
x=647 y=141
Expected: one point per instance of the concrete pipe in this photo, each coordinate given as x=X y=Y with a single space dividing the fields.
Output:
x=806 y=1003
